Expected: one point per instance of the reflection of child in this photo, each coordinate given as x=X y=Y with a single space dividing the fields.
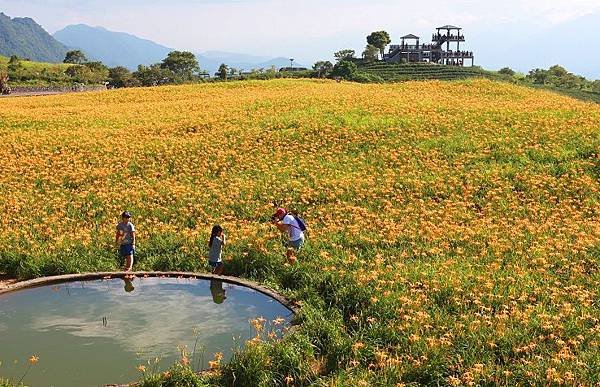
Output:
x=128 y=284
x=217 y=292
x=215 y=244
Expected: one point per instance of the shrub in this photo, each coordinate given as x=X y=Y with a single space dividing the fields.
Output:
x=344 y=69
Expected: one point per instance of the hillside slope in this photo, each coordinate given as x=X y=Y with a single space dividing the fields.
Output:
x=424 y=71
x=27 y=39
x=454 y=226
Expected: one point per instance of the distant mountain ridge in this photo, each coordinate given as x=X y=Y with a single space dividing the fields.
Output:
x=211 y=61
x=27 y=39
x=123 y=49
x=112 y=48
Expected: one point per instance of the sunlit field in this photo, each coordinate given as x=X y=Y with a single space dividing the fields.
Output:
x=454 y=227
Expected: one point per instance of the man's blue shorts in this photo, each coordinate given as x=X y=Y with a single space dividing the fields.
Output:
x=297 y=244
x=126 y=250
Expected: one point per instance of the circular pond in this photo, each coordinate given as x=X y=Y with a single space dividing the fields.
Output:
x=91 y=333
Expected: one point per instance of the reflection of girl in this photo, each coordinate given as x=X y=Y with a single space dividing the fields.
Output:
x=215 y=244
x=217 y=291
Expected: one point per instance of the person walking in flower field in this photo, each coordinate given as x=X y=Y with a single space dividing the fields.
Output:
x=125 y=239
x=294 y=227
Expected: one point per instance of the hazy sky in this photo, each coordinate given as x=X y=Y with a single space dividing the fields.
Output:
x=304 y=29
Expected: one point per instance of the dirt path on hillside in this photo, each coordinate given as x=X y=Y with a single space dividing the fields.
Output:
x=34 y=94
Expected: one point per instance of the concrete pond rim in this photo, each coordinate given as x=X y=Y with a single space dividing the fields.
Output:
x=52 y=280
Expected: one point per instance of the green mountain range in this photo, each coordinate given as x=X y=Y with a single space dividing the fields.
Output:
x=27 y=39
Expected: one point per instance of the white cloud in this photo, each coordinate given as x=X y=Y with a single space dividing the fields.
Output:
x=154 y=323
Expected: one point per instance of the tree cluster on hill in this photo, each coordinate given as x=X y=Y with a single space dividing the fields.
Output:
x=558 y=76
x=178 y=67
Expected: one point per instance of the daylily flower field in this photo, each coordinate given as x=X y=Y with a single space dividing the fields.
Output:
x=454 y=227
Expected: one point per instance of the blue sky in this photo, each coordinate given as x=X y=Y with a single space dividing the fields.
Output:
x=306 y=29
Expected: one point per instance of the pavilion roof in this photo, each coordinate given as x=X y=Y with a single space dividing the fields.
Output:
x=410 y=36
x=449 y=27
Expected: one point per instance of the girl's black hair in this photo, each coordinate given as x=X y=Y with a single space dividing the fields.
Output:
x=216 y=230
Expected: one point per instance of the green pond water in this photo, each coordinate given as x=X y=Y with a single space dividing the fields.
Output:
x=93 y=333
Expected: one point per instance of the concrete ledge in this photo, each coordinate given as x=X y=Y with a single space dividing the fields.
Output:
x=43 y=281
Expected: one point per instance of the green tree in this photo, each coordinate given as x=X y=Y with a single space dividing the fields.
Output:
x=344 y=55
x=323 y=68
x=182 y=64
x=153 y=75
x=75 y=57
x=538 y=76
x=345 y=69
x=507 y=71
x=120 y=77
x=96 y=66
x=15 y=67
x=79 y=73
x=596 y=86
x=223 y=71
x=370 y=54
x=379 y=39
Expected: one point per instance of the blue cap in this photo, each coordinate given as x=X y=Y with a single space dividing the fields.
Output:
x=126 y=214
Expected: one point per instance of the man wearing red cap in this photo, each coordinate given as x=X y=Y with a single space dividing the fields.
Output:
x=290 y=224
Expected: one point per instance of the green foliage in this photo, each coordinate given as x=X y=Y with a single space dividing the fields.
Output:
x=27 y=39
x=367 y=78
x=153 y=75
x=323 y=68
x=559 y=79
x=507 y=71
x=344 y=69
x=15 y=67
x=344 y=55
x=379 y=40
x=388 y=72
x=182 y=64
x=178 y=376
x=75 y=57
x=223 y=71
x=121 y=77
x=558 y=76
x=370 y=53
x=94 y=74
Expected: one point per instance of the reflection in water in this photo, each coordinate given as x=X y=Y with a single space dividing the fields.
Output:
x=97 y=332
x=128 y=284
x=217 y=291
